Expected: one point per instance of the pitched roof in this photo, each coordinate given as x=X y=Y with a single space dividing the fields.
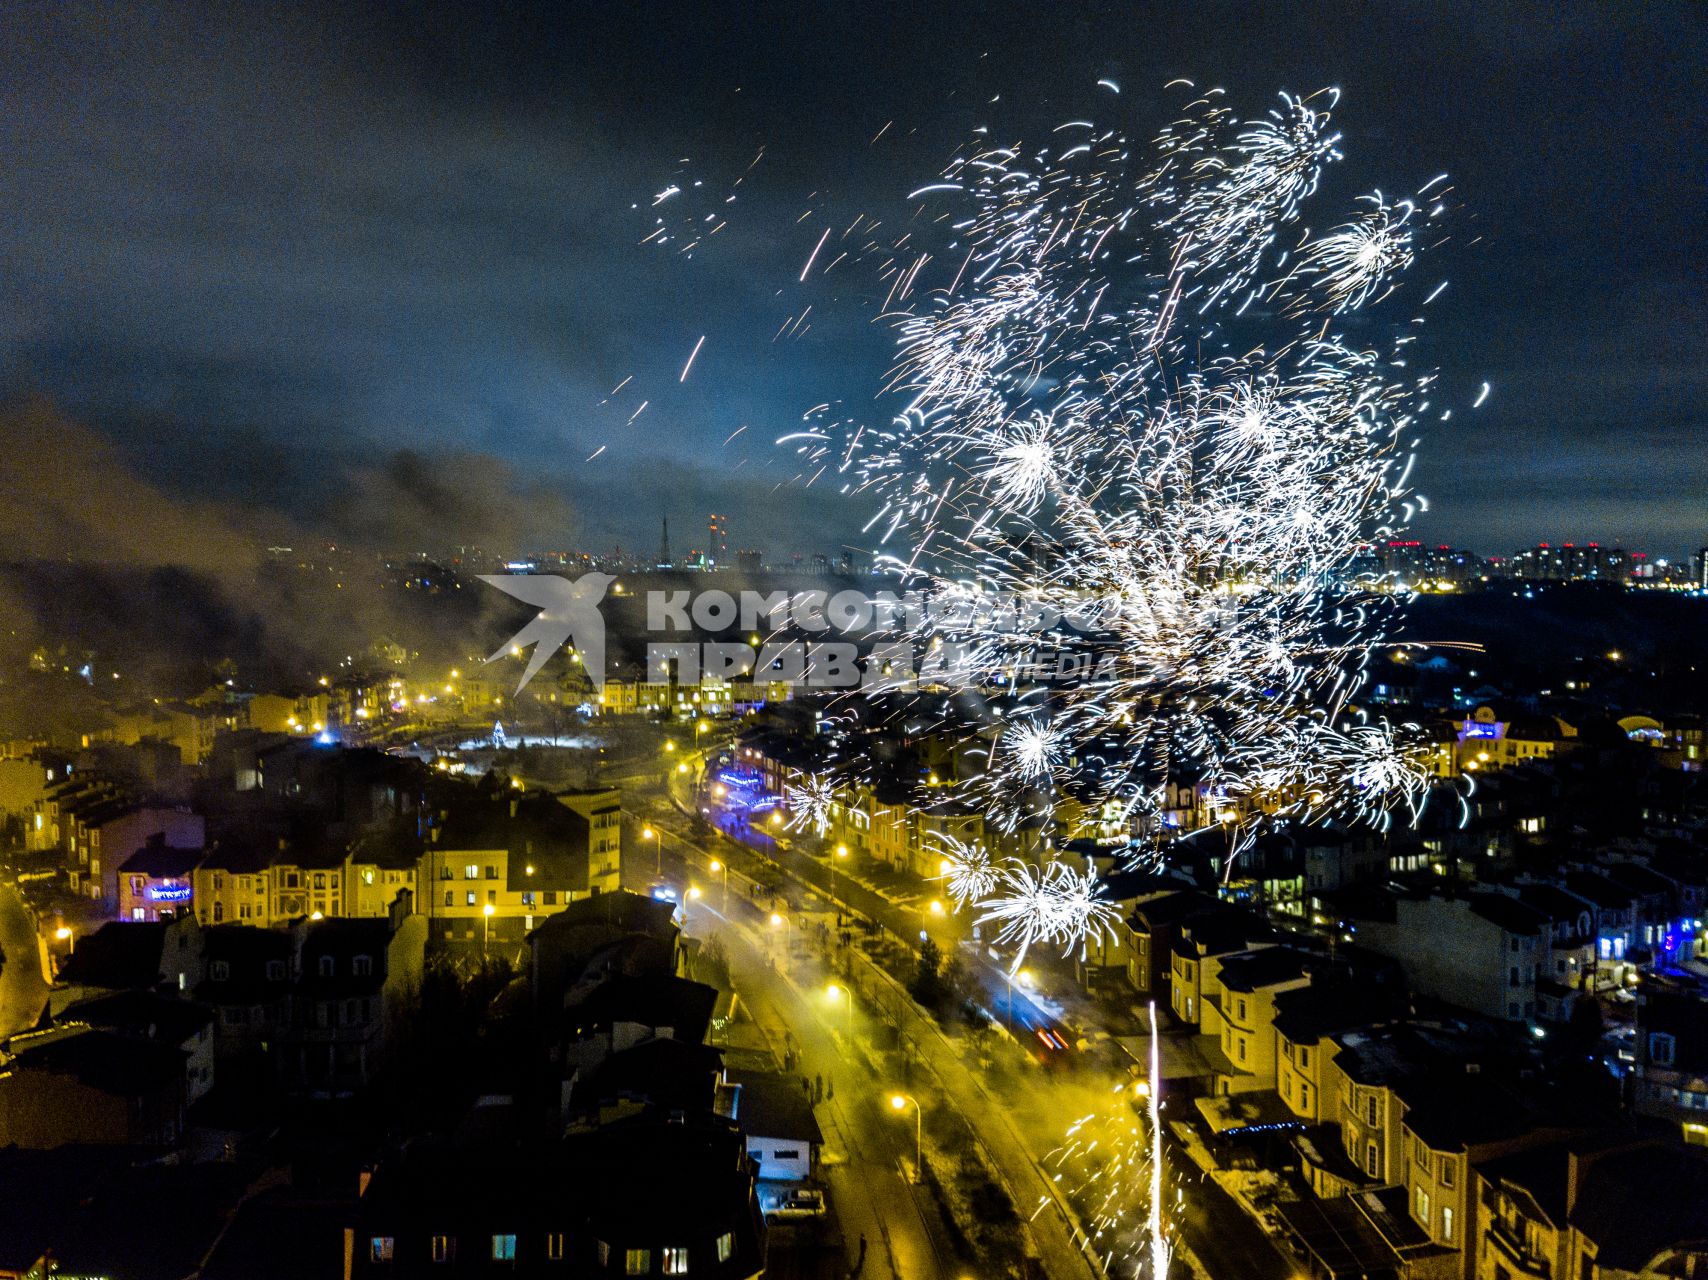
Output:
x=145 y=1013
x=1639 y=1203
x=1264 y=968
x=682 y=1006
x=162 y=861
x=774 y=1106
x=1307 y=1014
x=120 y=954
x=1508 y=914
x=125 y=1066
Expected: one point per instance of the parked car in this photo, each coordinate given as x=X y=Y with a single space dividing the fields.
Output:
x=797 y=1205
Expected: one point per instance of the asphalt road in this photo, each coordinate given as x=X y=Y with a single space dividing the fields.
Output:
x=1222 y=1235
x=863 y=1141
x=23 y=993
x=1018 y=1163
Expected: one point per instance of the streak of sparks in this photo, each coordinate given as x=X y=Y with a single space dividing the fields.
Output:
x=692 y=355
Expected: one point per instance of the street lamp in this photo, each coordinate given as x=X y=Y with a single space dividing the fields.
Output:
x=781 y=925
x=836 y=992
x=841 y=852
x=647 y=833
x=900 y=1101
x=486 y=914
x=716 y=868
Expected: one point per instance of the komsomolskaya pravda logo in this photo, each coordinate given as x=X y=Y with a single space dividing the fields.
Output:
x=1038 y=641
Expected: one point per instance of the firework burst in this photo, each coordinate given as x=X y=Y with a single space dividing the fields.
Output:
x=810 y=803
x=1138 y=402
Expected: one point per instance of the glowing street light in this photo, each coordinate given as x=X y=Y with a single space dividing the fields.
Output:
x=647 y=833
x=841 y=852
x=900 y=1102
x=835 y=992
x=486 y=914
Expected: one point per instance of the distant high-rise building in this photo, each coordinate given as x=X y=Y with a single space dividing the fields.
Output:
x=1570 y=562
x=749 y=561
x=1701 y=574
x=717 y=539
x=664 y=544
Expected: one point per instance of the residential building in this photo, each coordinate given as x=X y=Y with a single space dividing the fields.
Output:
x=642 y=1197
x=82 y=1084
x=1480 y=952
x=776 y=1118
x=156 y=882
x=1592 y=1207
x=352 y=984
x=494 y=866
x=1669 y=1079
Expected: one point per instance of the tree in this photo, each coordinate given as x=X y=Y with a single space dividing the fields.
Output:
x=927 y=984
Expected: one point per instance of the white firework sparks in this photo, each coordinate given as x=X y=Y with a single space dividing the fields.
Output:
x=1052 y=903
x=810 y=803
x=1135 y=404
x=966 y=869
x=1034 y=746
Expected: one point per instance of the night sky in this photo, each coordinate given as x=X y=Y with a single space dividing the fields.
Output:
x=308 y=272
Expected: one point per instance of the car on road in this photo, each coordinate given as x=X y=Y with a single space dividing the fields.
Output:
x=797 y=1206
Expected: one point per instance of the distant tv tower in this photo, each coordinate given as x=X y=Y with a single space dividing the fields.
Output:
x=664 y=544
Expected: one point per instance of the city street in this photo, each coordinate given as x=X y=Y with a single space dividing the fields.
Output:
x=1022 y=1121
x=1034 y=1193
x=23 y=993
x=864 y=1144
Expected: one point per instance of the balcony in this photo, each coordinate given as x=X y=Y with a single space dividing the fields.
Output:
x=1509 y=1241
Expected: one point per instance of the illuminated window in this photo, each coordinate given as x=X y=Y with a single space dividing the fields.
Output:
x=726 y=1246
x=637 y=1262
x=1422 y=1206
x=1447 y=1223
x=675 y=1262
x=444 y=1249
x=554 y=1247
x=504 y=1248
x=380 y=1247
x=471 y=872
x=470 y=897
x=604 y=1252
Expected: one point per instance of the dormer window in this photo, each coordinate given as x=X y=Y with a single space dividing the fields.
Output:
x=275 y=971
x=327 y=966
x=219 y=971
x=362 y=966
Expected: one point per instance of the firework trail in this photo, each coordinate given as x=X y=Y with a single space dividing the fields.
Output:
x=1110 y=1167
x=1136 y=400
